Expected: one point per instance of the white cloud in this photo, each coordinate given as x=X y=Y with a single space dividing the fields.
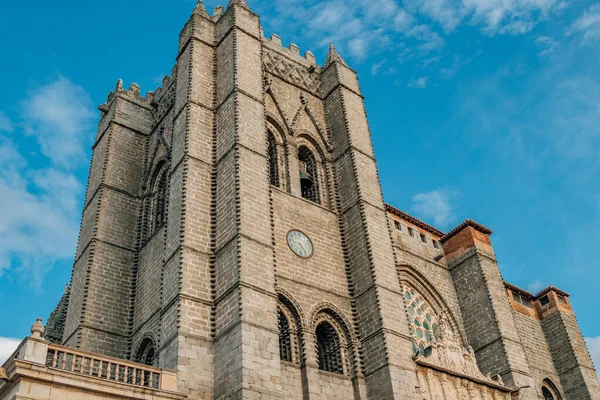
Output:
x=418 y=83
x=546 y=44
x=40 y=199
x=594 y=348
x=536 y=286
x=588 y=25
x=493 y=16
x=359 y=28
x=59 y=114
x=436 y=206
x=7 y=347
x=5 y=123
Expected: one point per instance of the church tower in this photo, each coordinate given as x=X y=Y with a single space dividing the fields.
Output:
x=234 y=231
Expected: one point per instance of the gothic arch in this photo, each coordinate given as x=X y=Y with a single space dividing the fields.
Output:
x=319 y=131
x=155 y=198
x=307 y=138
x=290 y=330
x=276 y=126
x=327 y=319
x=287 y=299
x=549 y=388
x=146 y=351
x=414 y=278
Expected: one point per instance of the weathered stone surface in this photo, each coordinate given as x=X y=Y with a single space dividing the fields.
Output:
x=184 y=262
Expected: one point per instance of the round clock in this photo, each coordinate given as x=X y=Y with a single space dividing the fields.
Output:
x=300 y=244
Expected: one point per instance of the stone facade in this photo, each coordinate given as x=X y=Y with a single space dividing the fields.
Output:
x=185 y=260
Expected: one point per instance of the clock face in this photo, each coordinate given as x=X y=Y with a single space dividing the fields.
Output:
x=300 y=244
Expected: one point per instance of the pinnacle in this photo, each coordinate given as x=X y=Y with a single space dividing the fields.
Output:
x=200 y=9
x=333 y=56
x=241 y=3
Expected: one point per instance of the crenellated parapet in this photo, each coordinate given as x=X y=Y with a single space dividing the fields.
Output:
x=289 y=65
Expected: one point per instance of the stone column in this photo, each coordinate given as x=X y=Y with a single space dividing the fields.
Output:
x=246 y=342
x=488 y=317
x=383 y=331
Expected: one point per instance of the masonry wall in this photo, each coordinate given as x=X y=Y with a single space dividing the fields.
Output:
x=537 y=351
x=205 y=286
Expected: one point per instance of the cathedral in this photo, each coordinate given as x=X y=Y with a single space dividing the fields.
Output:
x=235 y=245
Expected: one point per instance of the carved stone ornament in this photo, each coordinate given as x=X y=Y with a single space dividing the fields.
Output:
x=165 y=103
x=291 y=71
x=447 y=353
x=3 y=376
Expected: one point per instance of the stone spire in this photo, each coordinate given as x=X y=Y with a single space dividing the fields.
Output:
x=200 y=9
x=241 y=3
x=333 y=56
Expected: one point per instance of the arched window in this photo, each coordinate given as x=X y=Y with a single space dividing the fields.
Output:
x=422 y=321
x=273 y=160
x=547 y=394
x=309 y=179
x=285 y=339
x=549 y=391
x=146 y=352
x=329 y=350
x=160 y=200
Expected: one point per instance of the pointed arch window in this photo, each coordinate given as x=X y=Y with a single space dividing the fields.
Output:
x=329 y=349
x=146 y=352
x=285 y=338
x=549 y=390
x=273 y=160
x=309 y=180
x=160 y=200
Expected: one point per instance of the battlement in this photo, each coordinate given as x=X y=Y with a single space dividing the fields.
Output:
x=160 y=92
x=133 y=93
x=292 y=51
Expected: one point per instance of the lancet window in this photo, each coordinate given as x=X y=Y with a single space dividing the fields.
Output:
x=309 y=180
x=273 y=160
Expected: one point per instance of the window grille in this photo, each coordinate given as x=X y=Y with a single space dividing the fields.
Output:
x=146 y=352
x=329 y=351
x=285 y=342
x=273 y=161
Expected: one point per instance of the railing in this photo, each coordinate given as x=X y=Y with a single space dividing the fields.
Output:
x=107 y=368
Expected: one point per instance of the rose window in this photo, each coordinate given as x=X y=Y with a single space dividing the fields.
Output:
x=421 y=319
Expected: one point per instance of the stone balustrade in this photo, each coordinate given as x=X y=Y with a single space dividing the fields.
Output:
x=81 y=367
x=72 y=360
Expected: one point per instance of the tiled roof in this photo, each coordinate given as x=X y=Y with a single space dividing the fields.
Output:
x=552 y=289
x=537 y=296
x=472 y=224
x=518 y=290
x=413 y=220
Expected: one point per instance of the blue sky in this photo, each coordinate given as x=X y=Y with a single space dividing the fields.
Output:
x=482 y=109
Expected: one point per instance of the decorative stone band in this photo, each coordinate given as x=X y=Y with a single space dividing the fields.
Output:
x=291 y=72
